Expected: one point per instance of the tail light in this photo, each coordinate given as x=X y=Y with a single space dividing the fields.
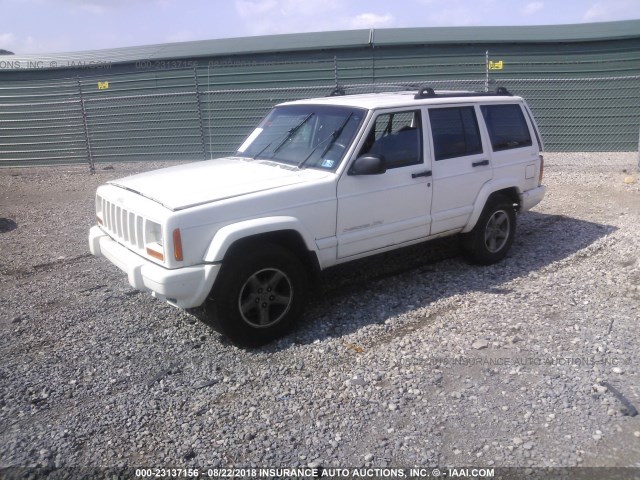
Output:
x=541 y=170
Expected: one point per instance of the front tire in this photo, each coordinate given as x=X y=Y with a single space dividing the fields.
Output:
x=259 y=293
x=491 y=238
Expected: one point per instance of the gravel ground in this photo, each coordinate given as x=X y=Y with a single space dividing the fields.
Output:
x=409 y=358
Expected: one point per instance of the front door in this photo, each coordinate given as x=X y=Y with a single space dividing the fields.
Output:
x=378 y=211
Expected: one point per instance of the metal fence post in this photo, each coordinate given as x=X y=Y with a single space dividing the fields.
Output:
x=92 y=167
x=209 y=110
x=199 y=105
x=373 y=55
x=486 y=71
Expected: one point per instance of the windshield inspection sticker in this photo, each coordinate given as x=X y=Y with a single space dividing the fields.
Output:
x=250 y=140
x=327 y=163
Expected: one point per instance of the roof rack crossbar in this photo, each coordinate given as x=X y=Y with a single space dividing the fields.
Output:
x=428 y=92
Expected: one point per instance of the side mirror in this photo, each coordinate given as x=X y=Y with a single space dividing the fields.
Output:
x=368 y=165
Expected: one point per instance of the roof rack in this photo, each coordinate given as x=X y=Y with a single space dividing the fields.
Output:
x=428 y=92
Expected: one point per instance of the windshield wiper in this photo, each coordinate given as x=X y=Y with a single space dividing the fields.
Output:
x=290 y=134
x=333 y=136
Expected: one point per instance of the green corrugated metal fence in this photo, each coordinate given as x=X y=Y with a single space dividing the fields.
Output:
x=583 y=102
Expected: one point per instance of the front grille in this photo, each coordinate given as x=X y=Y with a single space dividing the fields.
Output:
x=123 y=225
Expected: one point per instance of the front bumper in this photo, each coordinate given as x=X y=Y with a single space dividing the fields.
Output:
x=186 y=287
x=531 y=198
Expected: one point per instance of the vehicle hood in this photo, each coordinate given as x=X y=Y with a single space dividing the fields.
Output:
x=185 y=186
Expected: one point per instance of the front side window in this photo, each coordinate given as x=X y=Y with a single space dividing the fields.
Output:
x=507 y=126
x=455 y=132
x=314 y=136
x=397 y=137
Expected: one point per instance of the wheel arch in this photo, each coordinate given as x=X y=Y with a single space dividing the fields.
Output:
x=285 y=231
x=490 y=190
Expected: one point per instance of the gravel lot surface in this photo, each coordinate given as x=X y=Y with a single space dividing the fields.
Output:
x=409 y=358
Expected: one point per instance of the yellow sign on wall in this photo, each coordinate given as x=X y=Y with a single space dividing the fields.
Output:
x=497 y=65
x=103 y=85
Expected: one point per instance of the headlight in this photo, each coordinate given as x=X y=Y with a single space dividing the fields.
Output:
x=153 y=240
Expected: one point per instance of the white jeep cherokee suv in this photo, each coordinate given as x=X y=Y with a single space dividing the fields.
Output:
x=321 y=182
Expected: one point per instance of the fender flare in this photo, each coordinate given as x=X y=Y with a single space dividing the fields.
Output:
x=485 y=192
x=229 y=234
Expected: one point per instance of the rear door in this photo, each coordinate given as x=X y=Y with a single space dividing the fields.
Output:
x=461 y=164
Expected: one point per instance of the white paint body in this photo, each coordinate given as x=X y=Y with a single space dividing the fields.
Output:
x=340 y=217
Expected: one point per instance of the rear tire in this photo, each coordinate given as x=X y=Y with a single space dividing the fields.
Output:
x=491 y=238
x=258 y=295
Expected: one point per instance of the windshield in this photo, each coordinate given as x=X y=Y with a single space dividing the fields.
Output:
x=315 y=136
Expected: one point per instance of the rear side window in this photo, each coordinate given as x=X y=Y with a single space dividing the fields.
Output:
x=455 y=132
x=507 y=126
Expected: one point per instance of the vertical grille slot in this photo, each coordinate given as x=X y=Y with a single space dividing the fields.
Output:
x=118 y=217
x=125 y=225
x=131 y=222
x=114 y=220
x=105 y=214
x=140 y=231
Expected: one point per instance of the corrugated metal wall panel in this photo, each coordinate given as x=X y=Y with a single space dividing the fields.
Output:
x=162 y=125
x=586 y=96
x=41 y=134
x=584 y=114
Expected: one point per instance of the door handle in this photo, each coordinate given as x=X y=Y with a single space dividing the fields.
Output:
x=480 y=163
x=426 y=173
